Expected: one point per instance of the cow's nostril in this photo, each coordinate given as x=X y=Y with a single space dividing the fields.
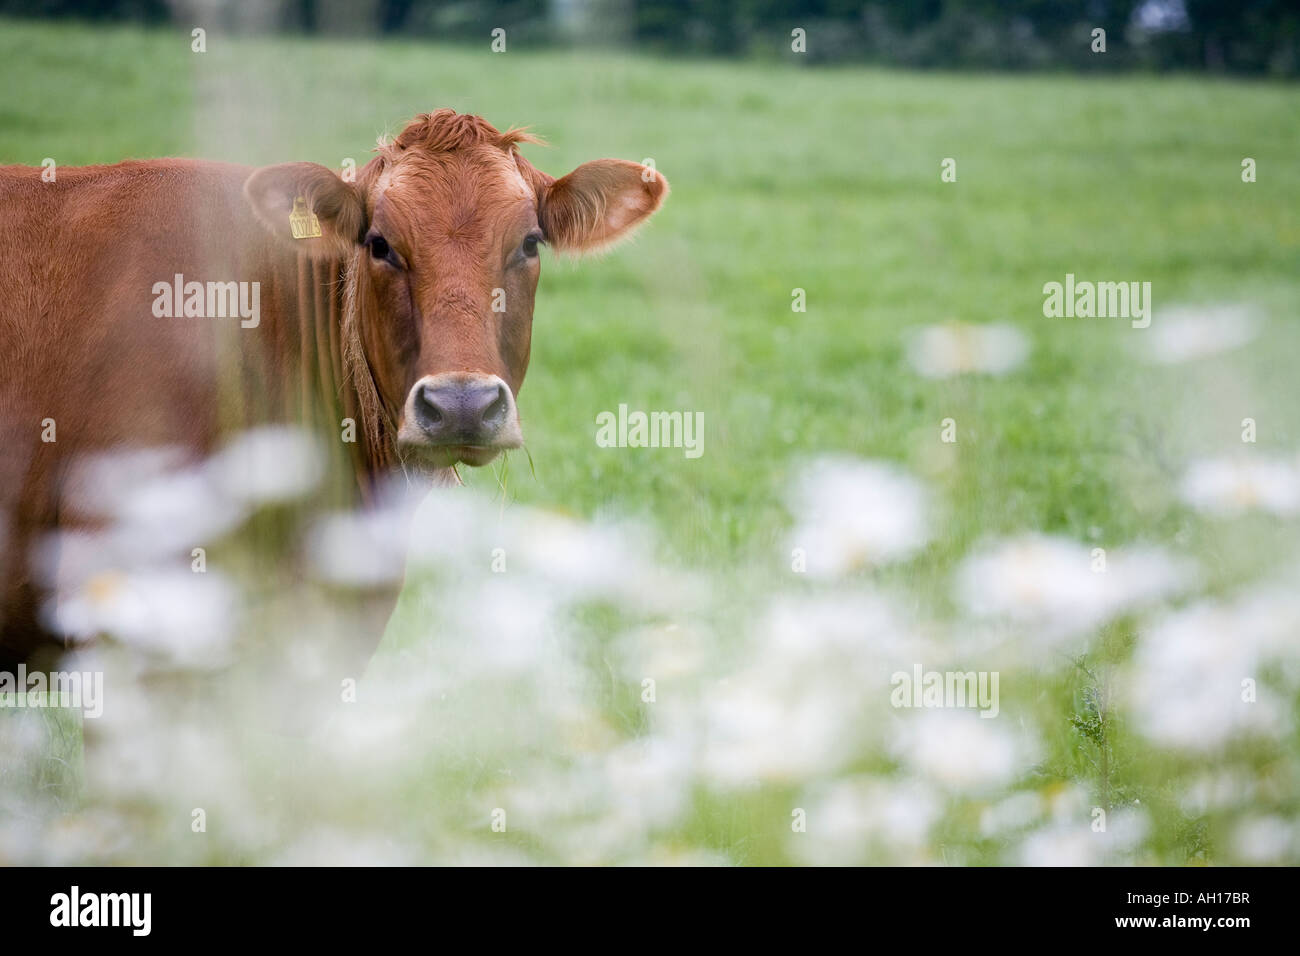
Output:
x=429 y=410
x=496 y=411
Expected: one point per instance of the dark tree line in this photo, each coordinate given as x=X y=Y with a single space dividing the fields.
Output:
x=1238 y=36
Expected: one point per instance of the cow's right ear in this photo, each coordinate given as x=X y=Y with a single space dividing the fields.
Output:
x=310 y=207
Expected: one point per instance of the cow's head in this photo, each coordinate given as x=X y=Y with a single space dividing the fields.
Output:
x=442 y=230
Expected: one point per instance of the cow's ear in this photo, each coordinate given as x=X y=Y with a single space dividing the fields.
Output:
x=309 y=206
x=599 y=203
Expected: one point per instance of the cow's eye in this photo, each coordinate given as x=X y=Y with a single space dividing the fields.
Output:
x=381 y=251
x=531 y=242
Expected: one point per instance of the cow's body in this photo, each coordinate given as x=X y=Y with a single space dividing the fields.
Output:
x=86 y=315
x=382 y=315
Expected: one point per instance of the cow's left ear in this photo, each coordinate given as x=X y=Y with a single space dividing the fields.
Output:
x=309 y=207
x=598 y=203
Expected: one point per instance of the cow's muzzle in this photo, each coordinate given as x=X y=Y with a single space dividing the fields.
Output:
x=460 y=416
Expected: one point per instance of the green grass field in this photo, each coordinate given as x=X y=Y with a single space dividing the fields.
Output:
x=826 y=180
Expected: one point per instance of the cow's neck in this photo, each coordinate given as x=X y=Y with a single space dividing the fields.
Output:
x=337 y=396
x=296 y=368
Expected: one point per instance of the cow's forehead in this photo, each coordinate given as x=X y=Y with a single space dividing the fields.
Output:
x=487 y=177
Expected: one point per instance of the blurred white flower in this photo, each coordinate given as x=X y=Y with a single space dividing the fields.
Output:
x=850 y=513
x=1138 y=577
x=954 y=348
x=960 y=751
x=855 y=632
x=97 y=484
x=666 y=652
x=174 y=513
x=371 y=737
x=93 y=833
x=1060 y=588
x=149 y=751
x=158 y=504
x=605 y=806
x=1217 y=790
x=546 y=794
x=360 y=548
x=811 y=694
x=1188 y=333
x=759 y=727
x=1268 y=616
x=586 y=560
x=866 y=820
x=465 y=534
x=1228 y=487
x=22 y=842
x=649 y=780
x=1074 y=842
x=506 y=624
x=269 y=464
x=1186 y=689
x=1263 y=840
x=62 y=560
x=1059 y=844
x=186 y=618
x=1033 y=579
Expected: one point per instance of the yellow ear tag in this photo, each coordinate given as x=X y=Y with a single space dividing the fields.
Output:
x=302 y=221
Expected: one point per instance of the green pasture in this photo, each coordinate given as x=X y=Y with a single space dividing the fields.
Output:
x=825 y=180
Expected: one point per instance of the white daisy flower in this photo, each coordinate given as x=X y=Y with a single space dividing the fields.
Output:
x=1076 y=842
x=960 y=751
x=1189 y=333
x=1226 y=488
x=856 y=820
x=852 y=513
x=956 y=348
x=1266 y=840
x=184 y=617
x=1061 y=589
x=269 y=464
x=1187 y=687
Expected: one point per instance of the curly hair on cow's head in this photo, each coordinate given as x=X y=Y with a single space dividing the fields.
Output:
x=445 y=130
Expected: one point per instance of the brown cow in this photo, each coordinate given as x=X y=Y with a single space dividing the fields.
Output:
x=403 y=301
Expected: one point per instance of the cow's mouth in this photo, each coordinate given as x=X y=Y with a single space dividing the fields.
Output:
x=444 y=456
